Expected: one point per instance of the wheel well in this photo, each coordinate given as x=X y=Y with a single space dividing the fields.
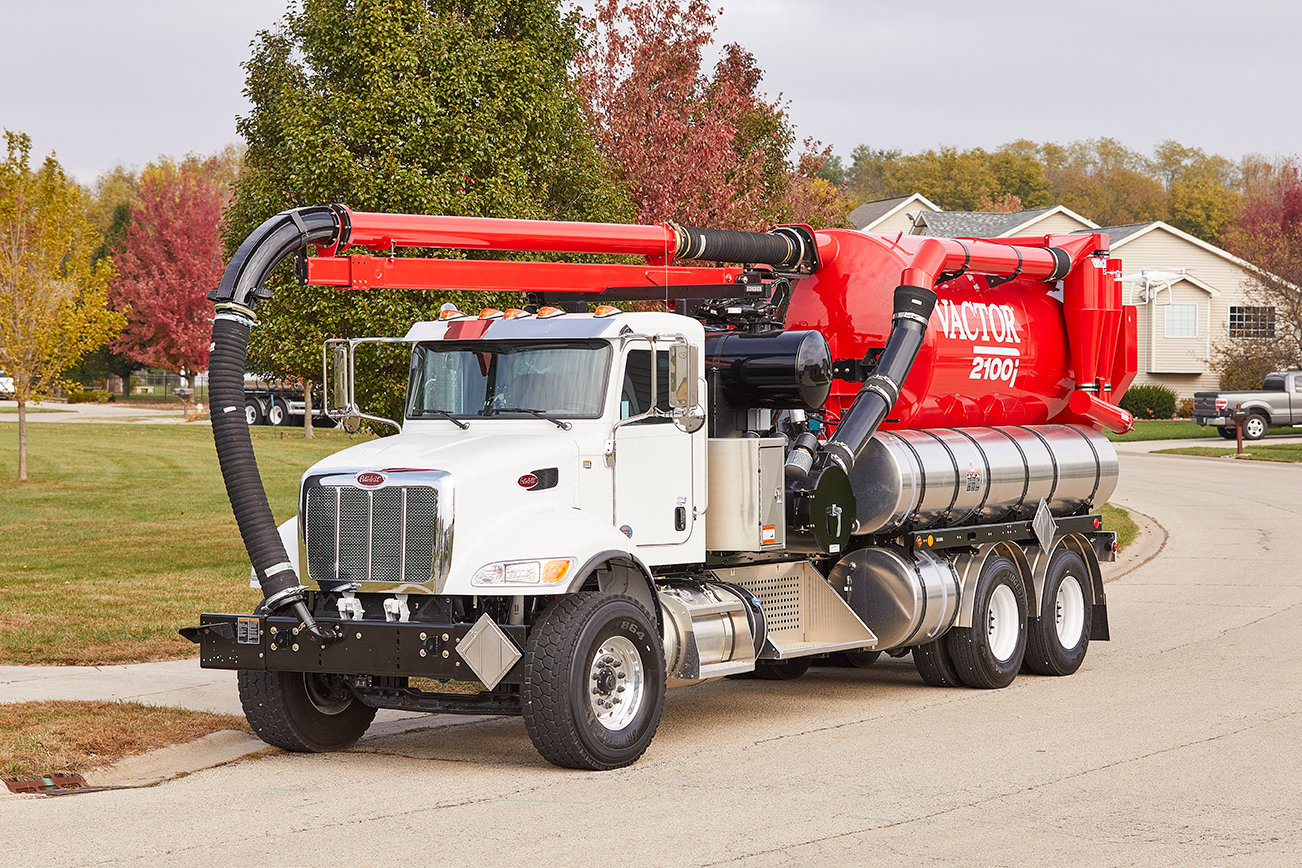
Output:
x=620 y=573
x=968 y=568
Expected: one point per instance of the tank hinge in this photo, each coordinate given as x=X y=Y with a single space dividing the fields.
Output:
x=857 y=370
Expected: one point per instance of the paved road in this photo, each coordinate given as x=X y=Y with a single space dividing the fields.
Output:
x=53 y=411
x=1177 y=743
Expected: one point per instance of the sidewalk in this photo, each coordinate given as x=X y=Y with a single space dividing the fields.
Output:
x=50 y=411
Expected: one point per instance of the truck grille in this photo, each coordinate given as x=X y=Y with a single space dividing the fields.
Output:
x=389 y=535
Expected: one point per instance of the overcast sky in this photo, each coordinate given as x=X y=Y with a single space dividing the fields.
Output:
x=103 y=83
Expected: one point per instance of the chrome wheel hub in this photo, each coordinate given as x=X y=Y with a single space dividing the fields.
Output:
x=616 y=683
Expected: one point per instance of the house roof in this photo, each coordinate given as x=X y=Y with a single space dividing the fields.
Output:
x=871 y=213
x=1119 y=234
x=989 y=224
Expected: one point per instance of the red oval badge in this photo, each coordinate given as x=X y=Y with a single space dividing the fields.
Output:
x=527 y=481
x=370 y=478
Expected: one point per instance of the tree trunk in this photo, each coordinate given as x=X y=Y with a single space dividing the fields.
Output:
x=308 y=433
x=22 y=439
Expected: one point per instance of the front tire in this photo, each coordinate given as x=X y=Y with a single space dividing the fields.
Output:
x=304 y=712
x=1059 y=638
x=594 y=683
x=989 y=654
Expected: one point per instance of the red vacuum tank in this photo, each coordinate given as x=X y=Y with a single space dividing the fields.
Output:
x=992 y=356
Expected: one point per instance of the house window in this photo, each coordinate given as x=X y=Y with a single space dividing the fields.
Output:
x=1182 y=320
x=1252 y=322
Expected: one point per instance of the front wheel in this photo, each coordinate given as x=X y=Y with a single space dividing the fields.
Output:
x=594 y=682
x=989 y=653
x=304 y=712
x=1060 y=637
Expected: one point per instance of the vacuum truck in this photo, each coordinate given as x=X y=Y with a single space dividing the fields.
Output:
x=820 y=447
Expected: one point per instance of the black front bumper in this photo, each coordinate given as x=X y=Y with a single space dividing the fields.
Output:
x=384 y=648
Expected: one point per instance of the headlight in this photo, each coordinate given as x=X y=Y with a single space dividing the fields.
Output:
x=522 y=573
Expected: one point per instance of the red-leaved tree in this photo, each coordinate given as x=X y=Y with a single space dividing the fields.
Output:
x=171 y=259
x=705 y=150
x=1267 y=232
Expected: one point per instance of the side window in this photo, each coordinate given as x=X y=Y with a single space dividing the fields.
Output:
x=635 y=393
x=1297 y=383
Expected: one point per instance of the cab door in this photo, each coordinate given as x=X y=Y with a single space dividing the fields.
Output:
x=652 y=456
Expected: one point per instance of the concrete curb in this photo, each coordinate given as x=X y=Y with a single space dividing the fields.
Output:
x=148 y=769
x=1148 y=545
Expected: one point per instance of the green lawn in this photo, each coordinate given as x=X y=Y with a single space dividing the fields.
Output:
x=1281 y=452
x=1119 y=522
x=1164 y=429
x=124 y=534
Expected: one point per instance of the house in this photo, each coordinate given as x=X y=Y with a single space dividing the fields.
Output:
x=1190 y=295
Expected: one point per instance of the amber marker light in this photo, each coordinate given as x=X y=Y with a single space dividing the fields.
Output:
x=554 y=571
x=605 y=310
x=451 y=313
x=549 y=312
x=515 y=313
x=490 y=313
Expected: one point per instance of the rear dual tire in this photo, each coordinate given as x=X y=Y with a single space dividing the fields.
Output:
x=988 y=655
x=1059 y=639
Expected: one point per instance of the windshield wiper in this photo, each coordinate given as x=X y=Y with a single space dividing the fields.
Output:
x=559 y=423
x=445 y=415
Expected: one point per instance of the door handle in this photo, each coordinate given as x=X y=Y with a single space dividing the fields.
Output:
x=680 y=518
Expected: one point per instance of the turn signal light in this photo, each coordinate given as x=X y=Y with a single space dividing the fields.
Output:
x=549 y=312
x=604 y=310
x=554 y=571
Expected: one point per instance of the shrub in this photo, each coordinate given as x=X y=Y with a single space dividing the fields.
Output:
x=90 y=396
x=1184 y=410
x=1149 y=402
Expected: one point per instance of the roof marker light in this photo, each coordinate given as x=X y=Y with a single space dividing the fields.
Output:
x=490 y=313
x=549 y=312
x=449 y=311
x=515 y=313
x=605 y=310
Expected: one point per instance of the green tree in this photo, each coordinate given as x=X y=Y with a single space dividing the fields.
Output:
x=53 y=294
x=435 y=107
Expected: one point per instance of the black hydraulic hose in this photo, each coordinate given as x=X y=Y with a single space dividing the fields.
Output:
x=241 y=288
x=913 y=307
x=787 y=248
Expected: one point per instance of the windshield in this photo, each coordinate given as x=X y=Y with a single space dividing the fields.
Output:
x=508 y=378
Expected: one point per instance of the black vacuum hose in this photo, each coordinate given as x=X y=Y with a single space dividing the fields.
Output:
x=241 y=288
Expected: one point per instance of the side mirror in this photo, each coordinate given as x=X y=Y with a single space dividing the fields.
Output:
x=337 y=378
x=685 y=388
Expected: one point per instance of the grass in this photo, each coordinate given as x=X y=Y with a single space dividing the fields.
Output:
x=1119 y=522
x=1281 y=452
x=1164 y=429
x=13 y=411
x=39 y=738
x=124 y=534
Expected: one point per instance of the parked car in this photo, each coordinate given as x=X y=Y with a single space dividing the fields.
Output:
x=1279 y=402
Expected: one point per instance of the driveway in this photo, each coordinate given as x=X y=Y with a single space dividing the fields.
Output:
x=1176 y=743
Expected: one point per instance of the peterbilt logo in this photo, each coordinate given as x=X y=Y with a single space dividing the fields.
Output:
x=370 y=478
x=529 y=480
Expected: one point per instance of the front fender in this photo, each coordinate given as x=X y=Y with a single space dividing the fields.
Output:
x=537 y=533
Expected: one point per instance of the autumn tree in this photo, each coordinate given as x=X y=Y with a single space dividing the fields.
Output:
x=170 y=260
x=53 y=296
x=1267 y=232
x=697 y=148
x=420 y=106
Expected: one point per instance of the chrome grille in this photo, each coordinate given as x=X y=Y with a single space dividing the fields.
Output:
x=390 y=535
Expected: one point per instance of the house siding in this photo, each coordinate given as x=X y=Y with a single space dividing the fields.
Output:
x=1182 y=364
x=1053 y=224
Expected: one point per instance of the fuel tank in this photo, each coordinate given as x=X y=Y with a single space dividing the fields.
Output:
x=992 y=355
x=946 y=477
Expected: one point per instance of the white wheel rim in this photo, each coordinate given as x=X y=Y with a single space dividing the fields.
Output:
x=616 y=683
x=1254 y=427
x=1002 y=623
x=276 y=415
x=250 y=415
x=1069 y=612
